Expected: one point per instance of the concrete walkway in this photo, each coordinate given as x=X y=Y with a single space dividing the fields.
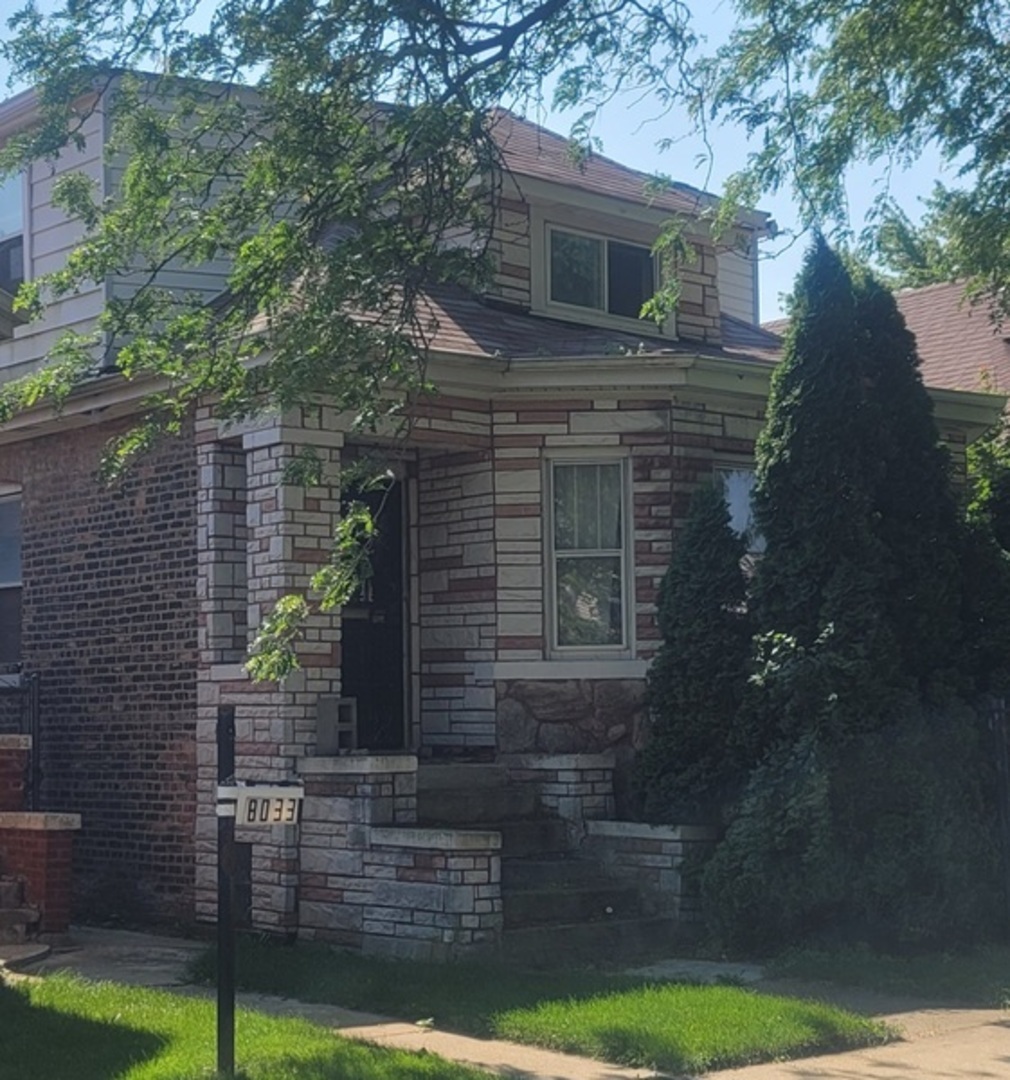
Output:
x=939 y=1044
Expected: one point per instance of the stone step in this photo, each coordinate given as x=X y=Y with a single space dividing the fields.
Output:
x=455 y=777
x=613 y=941
x=582 y=904
x=533 y=837
x=17 y=923
x=475 y=806
x=556 y=872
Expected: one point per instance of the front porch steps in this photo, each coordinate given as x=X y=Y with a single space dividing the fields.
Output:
x=557 y=907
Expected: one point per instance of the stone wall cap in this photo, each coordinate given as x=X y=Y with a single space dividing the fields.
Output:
x=640 y=830
x=43 y=822
x=15 y=742
x=439 y=839
x=605 y=760
x=357 y=764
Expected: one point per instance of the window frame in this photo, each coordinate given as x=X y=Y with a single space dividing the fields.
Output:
x=719 y=470
x=625 y=649
x=22 y=177
x=13 y=494
x=604 y=239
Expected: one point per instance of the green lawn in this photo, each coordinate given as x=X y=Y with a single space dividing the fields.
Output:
x=669 y=1026
x=976 y=977
x=62 y=1027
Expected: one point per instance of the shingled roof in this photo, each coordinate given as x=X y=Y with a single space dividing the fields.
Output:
x=960 y=345
x=531 y=150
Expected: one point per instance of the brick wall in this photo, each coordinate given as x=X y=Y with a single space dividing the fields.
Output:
x=38 y=848
x=14 y=752
x=110 y=623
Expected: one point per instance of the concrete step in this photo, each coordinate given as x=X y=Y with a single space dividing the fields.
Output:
x=612 y=941
x=460 y=777
x=16 y=924
x=555 y=872
x=475 y=806
x=573 y=904
x=533 y=837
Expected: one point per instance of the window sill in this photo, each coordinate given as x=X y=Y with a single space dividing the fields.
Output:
x=503 y=670
x=593 y=317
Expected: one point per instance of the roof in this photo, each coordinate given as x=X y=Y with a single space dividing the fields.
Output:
x=464 y=324
x=531 y=150
x=960 y=345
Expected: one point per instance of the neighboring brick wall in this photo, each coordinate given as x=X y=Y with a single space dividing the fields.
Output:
x=109 y=601
x=370 y=881
x=14 y=753
x=652 y=856
x=38 y=848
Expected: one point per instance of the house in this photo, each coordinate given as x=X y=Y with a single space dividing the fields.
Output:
x=487 y=687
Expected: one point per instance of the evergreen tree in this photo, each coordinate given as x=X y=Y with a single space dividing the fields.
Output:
x=697 y=678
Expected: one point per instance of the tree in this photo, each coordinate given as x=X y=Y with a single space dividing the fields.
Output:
x=693 y=759
x=831 y=84
x=869 y=625
x=332 y=154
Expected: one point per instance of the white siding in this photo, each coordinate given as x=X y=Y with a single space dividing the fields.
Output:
x=738 y=285
x=50 y=237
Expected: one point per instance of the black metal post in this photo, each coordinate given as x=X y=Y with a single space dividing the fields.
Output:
x=225 y=912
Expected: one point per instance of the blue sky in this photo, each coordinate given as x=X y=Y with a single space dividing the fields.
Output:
x=629 y=132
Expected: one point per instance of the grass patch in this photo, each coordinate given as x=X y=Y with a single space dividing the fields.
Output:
x=977 y=977
x=64 y=1026
x=668 y=1026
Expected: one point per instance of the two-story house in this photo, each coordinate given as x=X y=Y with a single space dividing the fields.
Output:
x=478 y=704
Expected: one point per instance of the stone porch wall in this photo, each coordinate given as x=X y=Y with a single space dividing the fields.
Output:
x=369 y=880
x=652 y=856
x=576 y=787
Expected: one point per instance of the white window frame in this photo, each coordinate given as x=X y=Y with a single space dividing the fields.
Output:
x=25 y=230
x=719 y=470
x=577 y=310
x=626 y=648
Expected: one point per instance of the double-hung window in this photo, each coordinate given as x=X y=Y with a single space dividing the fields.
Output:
x=598 y=274
x=588 y=570
x=12 y=238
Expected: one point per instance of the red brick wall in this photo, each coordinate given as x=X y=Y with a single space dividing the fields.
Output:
x=43 y=858
x=13 y=764
x=110 y=622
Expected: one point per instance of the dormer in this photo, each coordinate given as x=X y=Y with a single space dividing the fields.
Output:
x=574 y=241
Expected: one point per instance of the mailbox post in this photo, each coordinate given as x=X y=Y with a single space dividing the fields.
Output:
x=250 y=805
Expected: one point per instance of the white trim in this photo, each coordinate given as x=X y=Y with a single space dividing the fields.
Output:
x=589 y=456
x=505 y=670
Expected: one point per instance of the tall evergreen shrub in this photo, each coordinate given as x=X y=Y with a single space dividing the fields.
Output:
x=697 y=679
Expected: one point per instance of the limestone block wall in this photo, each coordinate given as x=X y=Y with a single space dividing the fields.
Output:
x=370 y=881
x=652 y=856
x=457 y=585
x=576 y=787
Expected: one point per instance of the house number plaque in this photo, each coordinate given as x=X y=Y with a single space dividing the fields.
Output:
x=261 y=805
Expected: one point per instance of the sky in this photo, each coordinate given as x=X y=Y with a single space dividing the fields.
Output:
x=629 y=132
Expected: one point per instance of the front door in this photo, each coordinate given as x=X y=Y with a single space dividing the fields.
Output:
x=373 y=631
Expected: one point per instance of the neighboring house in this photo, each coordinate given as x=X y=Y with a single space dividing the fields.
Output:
x=512 y=613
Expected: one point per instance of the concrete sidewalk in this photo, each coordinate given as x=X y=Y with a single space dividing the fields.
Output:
x=939 y=1044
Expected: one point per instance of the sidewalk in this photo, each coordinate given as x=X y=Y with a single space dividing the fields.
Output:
x=940 y=1044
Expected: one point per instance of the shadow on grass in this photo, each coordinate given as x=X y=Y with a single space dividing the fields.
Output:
x=42 y=1043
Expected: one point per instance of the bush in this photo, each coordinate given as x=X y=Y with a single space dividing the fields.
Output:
x=692 y=760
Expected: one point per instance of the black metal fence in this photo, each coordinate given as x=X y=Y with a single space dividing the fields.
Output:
x=19 y=715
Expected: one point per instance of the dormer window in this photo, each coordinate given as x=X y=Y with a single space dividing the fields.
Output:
x=599 y=274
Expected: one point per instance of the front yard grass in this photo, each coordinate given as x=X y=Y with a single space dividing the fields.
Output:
x=975 y=977
x=672 y=1027
x=60 y=1027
